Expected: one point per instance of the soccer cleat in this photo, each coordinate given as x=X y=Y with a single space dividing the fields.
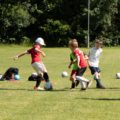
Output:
x=100 y=87
x=72 y=89
x=38 y=88
x=83 y=89
x=72 y=85
x=89 y=83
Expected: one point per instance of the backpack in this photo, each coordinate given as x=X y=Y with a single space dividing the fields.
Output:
x=9 y=73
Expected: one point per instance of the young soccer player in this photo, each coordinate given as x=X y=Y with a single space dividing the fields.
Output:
x=94 y=56
x=73 y=63
x=37 y=63
x=81 y=65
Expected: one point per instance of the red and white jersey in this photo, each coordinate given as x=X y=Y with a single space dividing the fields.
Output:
x=80 y=54
x=35 y=55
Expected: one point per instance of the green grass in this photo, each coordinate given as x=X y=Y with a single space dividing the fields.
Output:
x=18 y=101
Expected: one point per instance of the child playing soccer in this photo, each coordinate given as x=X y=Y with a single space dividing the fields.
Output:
x=81 y=65
x=73 y=63
x=37 y=63
x=94 y=56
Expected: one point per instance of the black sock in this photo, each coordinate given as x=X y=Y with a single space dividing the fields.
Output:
x=46 y=77
x=77 y=83
x=73 y=85
x=38 y=80
x=99 y=83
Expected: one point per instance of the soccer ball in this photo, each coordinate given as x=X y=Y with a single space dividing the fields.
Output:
x=17 y=77
x=0 y=76
x=118 y=76
x=48 y=86
x=64 y=74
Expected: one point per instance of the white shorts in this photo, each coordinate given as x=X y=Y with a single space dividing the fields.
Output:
x=39 y=67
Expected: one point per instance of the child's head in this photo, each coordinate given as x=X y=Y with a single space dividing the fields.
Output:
x=40 y=41
x=73 y=44
x=98 y=43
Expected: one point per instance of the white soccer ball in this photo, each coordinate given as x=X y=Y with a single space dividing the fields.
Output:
x=0 y=76
x=48 y=86
x=118 y=76
x=64 y=74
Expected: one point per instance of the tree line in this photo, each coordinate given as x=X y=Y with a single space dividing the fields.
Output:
x=57 y=21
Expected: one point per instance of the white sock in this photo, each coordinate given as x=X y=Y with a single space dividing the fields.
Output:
x=83 y=84
x=82 y=79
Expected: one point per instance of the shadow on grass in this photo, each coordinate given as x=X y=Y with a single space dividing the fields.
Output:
x=108 y=89
x=58 y=90
x=101 y=99
x=114 y=88
x=20 y=89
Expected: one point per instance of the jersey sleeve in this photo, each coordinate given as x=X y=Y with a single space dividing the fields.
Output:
x=76 y=53
x=32 y=49
x=71 y=58
x=29 y=51
x=37 y=46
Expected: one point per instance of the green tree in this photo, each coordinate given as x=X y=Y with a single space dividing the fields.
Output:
x=59 y=20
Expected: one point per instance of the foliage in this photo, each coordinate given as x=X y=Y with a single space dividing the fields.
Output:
x=57 y=21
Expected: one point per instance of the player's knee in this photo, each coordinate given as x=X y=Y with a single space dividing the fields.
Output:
x=40 y=77
x=96 y=76
x=71 y=78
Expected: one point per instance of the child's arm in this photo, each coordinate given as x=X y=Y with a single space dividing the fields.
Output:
x=69 y=66
x=86 y=57
x=72 y=62
x=88 y=54
x=78 y=61
x=40 y=51
x=20 y=55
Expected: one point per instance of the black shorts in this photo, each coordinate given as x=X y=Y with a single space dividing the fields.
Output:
x=81 y=71
x=94 y=70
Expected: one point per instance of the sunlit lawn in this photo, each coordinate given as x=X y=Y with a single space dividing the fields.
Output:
x=18 y=101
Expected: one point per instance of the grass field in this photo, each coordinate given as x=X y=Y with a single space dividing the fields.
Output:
x=18 y=101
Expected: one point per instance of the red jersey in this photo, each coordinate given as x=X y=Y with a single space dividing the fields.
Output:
x=35 y=55
x=83 y=62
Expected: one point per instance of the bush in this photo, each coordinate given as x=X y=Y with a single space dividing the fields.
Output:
x=25 y=41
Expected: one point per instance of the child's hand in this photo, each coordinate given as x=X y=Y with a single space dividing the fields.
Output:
x=74 y=61
x=69 y=66
x=79 y=66
x=43 y=54
x=86 y=57
x=15 y=57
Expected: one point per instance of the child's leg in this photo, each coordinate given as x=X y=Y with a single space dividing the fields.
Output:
x=72 y=78
x=96 y=75
x=80 y=78
x=83 y=85
x=98 y=80
x=73 y=82
x=45 y=73
x=39 y=69
x=95 y=71
x=84 y=82
x=38 y=81
x=46 y=77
